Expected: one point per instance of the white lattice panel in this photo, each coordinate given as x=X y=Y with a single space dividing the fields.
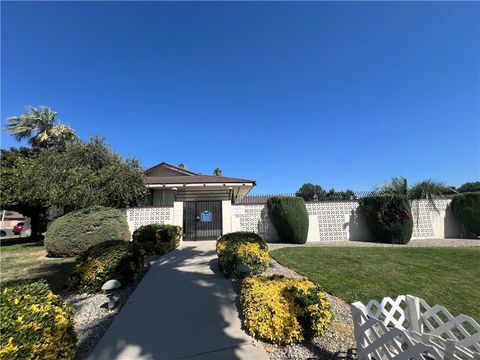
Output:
x=137 y=217
x=333 y=218
x=453 y=337
x=255 y=219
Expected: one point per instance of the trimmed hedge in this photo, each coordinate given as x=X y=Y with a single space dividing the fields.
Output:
x=388 y=217
x=158 y=239
x=36 y=324
x=242 y=248
x=282 y=310
x=72 y=234
x=290 y=218
x=119 y=260
x=466 y=208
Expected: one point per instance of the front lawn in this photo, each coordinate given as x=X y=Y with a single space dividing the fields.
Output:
x=29 y=262
x=445 y=276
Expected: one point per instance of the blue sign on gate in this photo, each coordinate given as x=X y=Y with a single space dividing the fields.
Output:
x=206 y=216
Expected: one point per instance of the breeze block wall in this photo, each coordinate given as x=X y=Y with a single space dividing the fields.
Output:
x=341 y=221
x=137 y=217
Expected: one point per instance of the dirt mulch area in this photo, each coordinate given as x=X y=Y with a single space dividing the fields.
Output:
x=411 y=243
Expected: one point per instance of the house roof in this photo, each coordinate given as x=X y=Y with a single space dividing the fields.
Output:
x=171 y=167
x=195 y=179
x=191 y=178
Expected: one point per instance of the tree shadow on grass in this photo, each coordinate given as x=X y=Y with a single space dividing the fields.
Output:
x=55 y=274
x=19 y=240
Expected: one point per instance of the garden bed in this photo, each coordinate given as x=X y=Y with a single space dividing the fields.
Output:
x=92 y=318
x=337 y=342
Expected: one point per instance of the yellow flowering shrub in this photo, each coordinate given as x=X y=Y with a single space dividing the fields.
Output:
x=282 y=310
x=242 y=249
x=120 y=260
x=36 y=324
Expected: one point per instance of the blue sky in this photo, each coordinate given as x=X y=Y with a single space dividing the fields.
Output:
x=341 y=94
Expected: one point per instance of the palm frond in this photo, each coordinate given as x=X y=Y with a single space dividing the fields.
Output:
x=394 y=186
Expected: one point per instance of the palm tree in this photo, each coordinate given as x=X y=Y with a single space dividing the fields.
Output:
x=217 y=172
x=41 y=128
x=428 y=189
x=396 y=185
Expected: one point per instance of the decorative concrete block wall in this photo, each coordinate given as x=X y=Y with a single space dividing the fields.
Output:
x=253 y=218
x=328 y=220
x=341 y=221
x=137 y=217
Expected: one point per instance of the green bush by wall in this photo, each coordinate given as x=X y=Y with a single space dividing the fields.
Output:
x=388 y=217
x=466 y=208
x=290 y=218
x=72 y=234
x=36 y=324
x=158 y=238
x=242 y=248
x=119 y=260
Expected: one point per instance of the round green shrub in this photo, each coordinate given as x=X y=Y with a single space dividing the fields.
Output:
x=36 y=324
x=388 y=217
x=72 y=234
x=119 y=260
x=290 y=218
x=242 y=249
x=158 y=238
x=466 y=208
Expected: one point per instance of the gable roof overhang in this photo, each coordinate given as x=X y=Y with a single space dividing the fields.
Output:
x=171 y=167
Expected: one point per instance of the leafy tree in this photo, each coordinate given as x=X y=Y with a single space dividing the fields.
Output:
x=9 y=196
x=84 y=174
x=340 y=195
x=217 y=172
x=41 y=128
x=182 y=166
x=310 y=192
x=470 y=187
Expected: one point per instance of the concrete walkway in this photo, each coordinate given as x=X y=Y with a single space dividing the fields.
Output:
x=184 y=308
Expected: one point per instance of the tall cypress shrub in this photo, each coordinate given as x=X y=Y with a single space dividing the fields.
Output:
x=466 y=208
x=290 y=218
x=388 y=217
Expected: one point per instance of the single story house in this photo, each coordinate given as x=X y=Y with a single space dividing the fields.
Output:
x=204 y=198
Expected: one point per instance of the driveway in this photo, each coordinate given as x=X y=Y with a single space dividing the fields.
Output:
x=184 y=308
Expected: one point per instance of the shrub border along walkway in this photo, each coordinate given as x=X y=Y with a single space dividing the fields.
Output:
x=184 y=307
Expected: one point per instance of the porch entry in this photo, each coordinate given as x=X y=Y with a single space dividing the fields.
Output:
x=202 y=220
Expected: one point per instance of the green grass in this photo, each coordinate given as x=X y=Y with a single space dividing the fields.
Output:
x=20 y=262
x=445 y=276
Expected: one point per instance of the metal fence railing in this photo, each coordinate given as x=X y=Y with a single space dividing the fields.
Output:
x=327 y=196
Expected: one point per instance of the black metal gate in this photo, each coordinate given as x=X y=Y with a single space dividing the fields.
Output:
x=202 y=220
